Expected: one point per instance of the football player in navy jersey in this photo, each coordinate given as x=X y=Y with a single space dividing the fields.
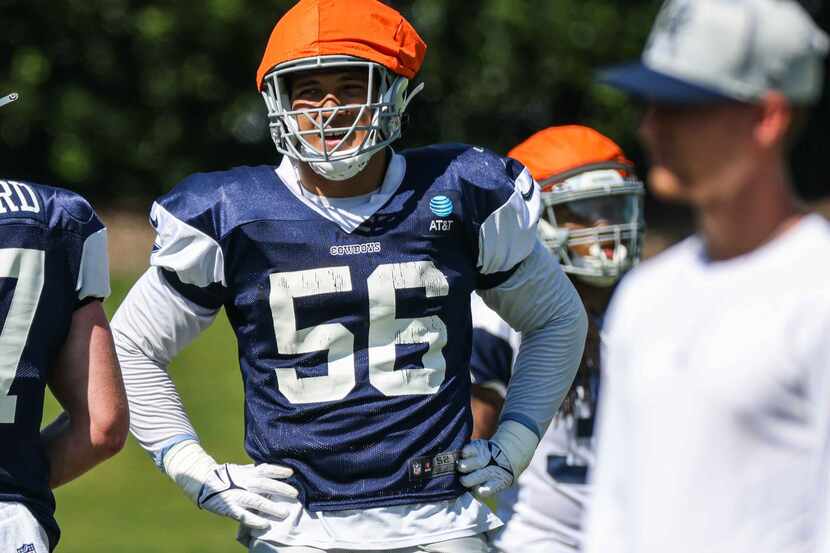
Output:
x=53 y=331
x=593 y=222
x=346 y=273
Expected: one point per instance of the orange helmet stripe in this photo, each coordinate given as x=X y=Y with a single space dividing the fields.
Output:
x=365 y=29
x=557 y=150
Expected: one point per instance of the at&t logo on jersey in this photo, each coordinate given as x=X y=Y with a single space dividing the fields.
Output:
x=442 y=207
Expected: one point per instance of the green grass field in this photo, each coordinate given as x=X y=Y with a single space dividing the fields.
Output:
x=127 y=505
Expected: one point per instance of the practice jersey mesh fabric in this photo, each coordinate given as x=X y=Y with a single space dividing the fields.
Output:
x=52 y=258
x=353 y=345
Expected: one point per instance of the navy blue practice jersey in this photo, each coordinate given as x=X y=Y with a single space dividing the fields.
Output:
x=354 y=344
x=52 y=259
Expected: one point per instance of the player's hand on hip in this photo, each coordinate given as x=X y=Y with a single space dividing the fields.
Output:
x=486 y=469
x=247 y=492
x=251 y=494
x=491 y=466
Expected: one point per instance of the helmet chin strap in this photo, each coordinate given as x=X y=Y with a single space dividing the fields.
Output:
x=343 y=169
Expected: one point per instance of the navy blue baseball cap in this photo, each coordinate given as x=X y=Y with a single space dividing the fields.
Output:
x=710 y=51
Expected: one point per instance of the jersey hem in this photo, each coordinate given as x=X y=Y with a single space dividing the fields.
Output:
x=345 y=505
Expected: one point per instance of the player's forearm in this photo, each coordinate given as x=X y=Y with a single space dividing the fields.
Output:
x=486 y=405
x=86 y=380
x=158 y=419
x=73 y=448
x=151 y=326
x=544 y=370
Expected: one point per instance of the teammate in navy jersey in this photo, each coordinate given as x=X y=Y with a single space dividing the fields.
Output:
x=346 y=273
x=53 y=331
x=593 y=221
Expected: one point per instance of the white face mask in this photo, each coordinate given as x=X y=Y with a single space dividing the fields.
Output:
x=610 y=210
x=387 y=102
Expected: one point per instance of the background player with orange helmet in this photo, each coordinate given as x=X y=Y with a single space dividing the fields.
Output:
x=593 y=221
x=53 y=332
x=346 y=272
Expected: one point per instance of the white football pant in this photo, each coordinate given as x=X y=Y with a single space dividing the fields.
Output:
x=473 y=544
x=20 y=531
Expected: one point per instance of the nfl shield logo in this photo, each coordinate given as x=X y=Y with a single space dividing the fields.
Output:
x=416 y=469
x=26 y=548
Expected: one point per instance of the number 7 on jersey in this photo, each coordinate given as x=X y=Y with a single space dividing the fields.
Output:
x=26 y=267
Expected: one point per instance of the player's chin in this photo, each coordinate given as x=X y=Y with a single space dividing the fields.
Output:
x=666 y=185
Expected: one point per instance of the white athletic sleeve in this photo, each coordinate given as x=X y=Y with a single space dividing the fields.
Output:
x=539 y=301
x=152 y=324
x=94 y=272
x=605 y=520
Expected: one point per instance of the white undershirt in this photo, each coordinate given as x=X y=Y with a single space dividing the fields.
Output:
x=715 y=409
x=349 y=212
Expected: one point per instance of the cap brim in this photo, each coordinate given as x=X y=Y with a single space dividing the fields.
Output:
x=643 y=82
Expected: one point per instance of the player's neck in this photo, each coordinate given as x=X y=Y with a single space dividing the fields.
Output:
x=362 y=183
x=764 y=208
x=595 y=298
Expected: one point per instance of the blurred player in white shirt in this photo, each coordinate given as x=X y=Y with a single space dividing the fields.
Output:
x=714 y=419
x=593 y=223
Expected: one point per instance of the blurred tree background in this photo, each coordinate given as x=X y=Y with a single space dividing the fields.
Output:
x=122 y=98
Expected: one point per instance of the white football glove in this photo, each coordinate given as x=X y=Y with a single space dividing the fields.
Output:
x=240 y=492
x=491 y=466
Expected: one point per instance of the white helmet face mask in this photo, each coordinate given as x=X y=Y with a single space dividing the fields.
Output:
x=385 y=104
x=8 y=99
x=593 y=221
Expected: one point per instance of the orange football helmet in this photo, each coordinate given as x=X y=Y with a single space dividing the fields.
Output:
x=323 y=34
x=593 y=202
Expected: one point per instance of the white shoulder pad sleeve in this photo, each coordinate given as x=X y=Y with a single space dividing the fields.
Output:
x=507 y=236
x=195 y=257
x=94 y=272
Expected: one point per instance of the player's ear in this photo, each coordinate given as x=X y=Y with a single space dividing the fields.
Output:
x=775 y=119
